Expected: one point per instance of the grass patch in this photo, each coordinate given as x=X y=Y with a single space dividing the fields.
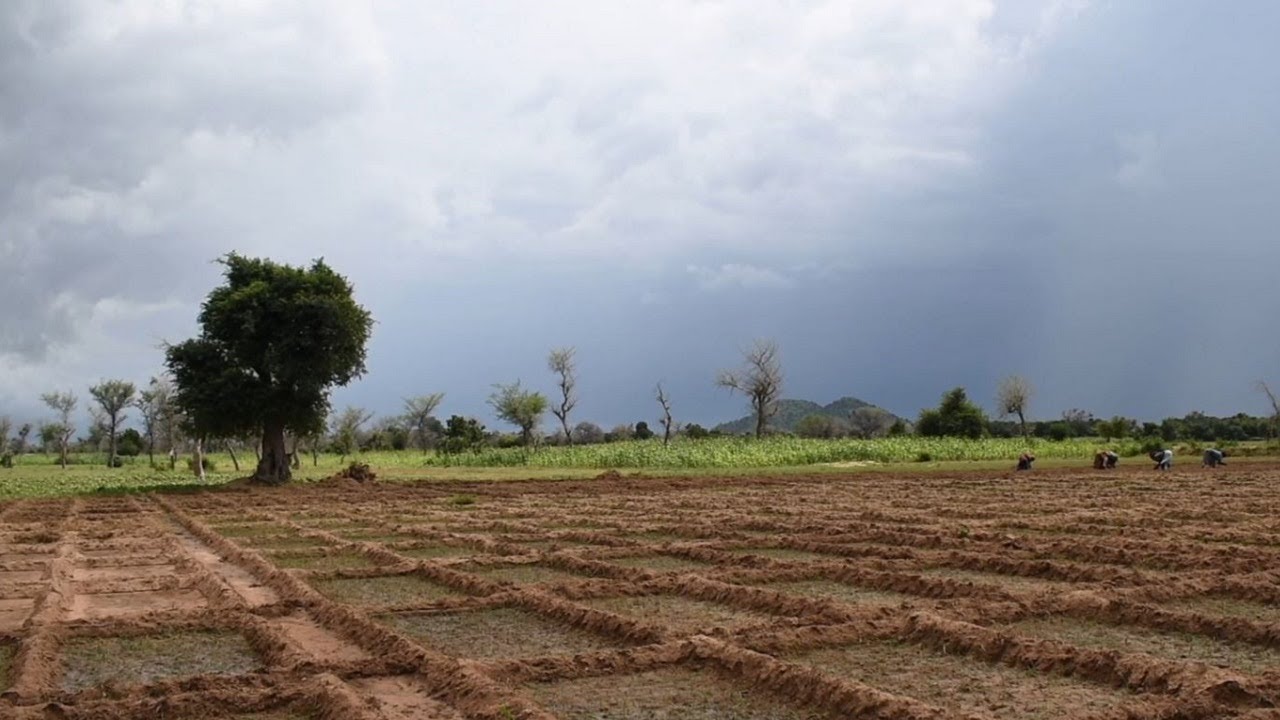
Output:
x=689 y=694
x=250 y=530
x=1226 y=607
x=524 y=574
x=831 y=590
x=1170 y=645
x=660 y=563
x=681 y=615
x=321 y=561
x=145 y=659
x=429 y=552
x=384 y=591
x=962 y=684
x=7 y=652
x=462 y=500
x=1004 y=582
x=490 y=634
x=287 y=542
x=786 y=554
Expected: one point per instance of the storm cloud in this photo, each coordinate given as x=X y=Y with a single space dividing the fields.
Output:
x=908 y=196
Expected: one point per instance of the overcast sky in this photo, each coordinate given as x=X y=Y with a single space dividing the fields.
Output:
x=908 y=196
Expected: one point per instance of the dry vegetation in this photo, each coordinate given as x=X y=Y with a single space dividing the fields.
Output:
x=1059 y=594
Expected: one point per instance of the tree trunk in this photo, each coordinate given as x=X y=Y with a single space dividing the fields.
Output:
x=111 y=456
x=759 y=423
x=151 y=449
x=273 y=468
x=235 y=463
x=1023 y=421
x=199 y=456
x=63 y=449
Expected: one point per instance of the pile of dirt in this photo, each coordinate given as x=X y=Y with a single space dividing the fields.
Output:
x=609 y=475
x=359 y=472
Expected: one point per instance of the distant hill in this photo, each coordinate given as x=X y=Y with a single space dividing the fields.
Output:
x=791 y=412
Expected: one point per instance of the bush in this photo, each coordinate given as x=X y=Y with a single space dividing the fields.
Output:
x=209 y=464
x=694 y=431
x=642 y=431
x=924 y=457
x=129 y=444
x=462 y=435
x=955 y=416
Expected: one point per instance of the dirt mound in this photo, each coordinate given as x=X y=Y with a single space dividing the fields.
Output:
x=609 y=475
x=359 y=472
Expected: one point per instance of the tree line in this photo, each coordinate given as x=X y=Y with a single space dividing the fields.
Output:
x=275 y=340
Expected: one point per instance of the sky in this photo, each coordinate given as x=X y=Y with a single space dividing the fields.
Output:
x=907 y=197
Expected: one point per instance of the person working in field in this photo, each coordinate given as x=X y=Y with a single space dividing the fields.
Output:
x=1105 y=460
x=1025 y=460
x=1163 y=459
x=1214 y=457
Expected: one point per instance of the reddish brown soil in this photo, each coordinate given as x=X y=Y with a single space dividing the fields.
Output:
x=1055 y=594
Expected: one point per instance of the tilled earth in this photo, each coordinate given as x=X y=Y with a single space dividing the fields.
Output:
x=1060 y=594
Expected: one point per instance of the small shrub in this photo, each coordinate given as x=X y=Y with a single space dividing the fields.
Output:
x=462 y=500
x=924 y=457
x=209 y=464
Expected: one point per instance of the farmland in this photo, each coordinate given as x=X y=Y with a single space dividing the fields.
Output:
x=38 y=475
x=1064 y=593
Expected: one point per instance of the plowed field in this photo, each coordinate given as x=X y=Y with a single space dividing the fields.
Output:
x=1059 y=594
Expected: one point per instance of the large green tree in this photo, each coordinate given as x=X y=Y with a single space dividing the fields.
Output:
x=274 y=341
x=955 y=416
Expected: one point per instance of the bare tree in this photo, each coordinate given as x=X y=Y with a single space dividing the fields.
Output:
x=520 y=407
x=561 y=362
x=417 y=415
x=668 y=425
x=64 y=404
x=346 y=429
x=1013 y=397
x=760 y=379
x=1275 y=407
x=20 y=442
x=155 y=404
x=113 y=396
x=869 y=422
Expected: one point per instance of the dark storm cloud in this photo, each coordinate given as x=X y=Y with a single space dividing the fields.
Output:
x=1077 y=193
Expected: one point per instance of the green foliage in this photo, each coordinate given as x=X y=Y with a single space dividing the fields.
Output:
x=955 y=416
x=520 y=407
x=694 y=431
x=642 y=431
x=462 y=435
x=1117 y=428
x=274 y=341
x=130 y=443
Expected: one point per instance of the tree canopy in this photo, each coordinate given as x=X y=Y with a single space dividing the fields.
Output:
x=955 y=416
x=274 y=341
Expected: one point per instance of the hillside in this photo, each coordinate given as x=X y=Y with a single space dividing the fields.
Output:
x=790 y=412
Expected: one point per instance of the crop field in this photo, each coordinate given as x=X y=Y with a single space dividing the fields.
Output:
x=1054 y=594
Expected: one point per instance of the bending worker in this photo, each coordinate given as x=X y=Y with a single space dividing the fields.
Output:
x=1163 y=459
x=1105 y=460
x=1025 y=460
x=1214 y=457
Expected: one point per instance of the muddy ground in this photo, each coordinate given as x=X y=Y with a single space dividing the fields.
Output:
x=1078 y=594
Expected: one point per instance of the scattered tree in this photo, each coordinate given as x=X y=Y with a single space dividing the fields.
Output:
x=1013 y=397
x=561 y=362
x=1117 y=428
x=668 y=424
x=20 y=441
x=155 y=405
x=642 y=431
x=274 y=341
x=64 y=404
x=462 y=434
x=417 y=415
x=520 y=407
x=6 y=453
x=130 y=443
x=760 y=379
x=869 y=422
x=113 y=396
x=346 y=430
x=587 y=433
x=50 y=435
x=819 y=426
x=955 y=416
x=694 y=431
x=620 y=433
x=1275 y=408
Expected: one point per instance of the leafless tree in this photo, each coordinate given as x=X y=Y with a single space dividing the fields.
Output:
x=417 y=415
x=155 y=405
x=760 y=379
x=668 y=425
x=64 y=404
x=869 y=422
x=1275 y=407
x=346 y=429
x=561 y=362
x=1013 y=398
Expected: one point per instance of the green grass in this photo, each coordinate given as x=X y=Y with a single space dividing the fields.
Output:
x=7 y=652
x=384 y=591
x=500 y=633
x=149 y=658
x=36 y=475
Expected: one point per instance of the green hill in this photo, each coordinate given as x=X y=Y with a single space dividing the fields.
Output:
x=791 y=412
